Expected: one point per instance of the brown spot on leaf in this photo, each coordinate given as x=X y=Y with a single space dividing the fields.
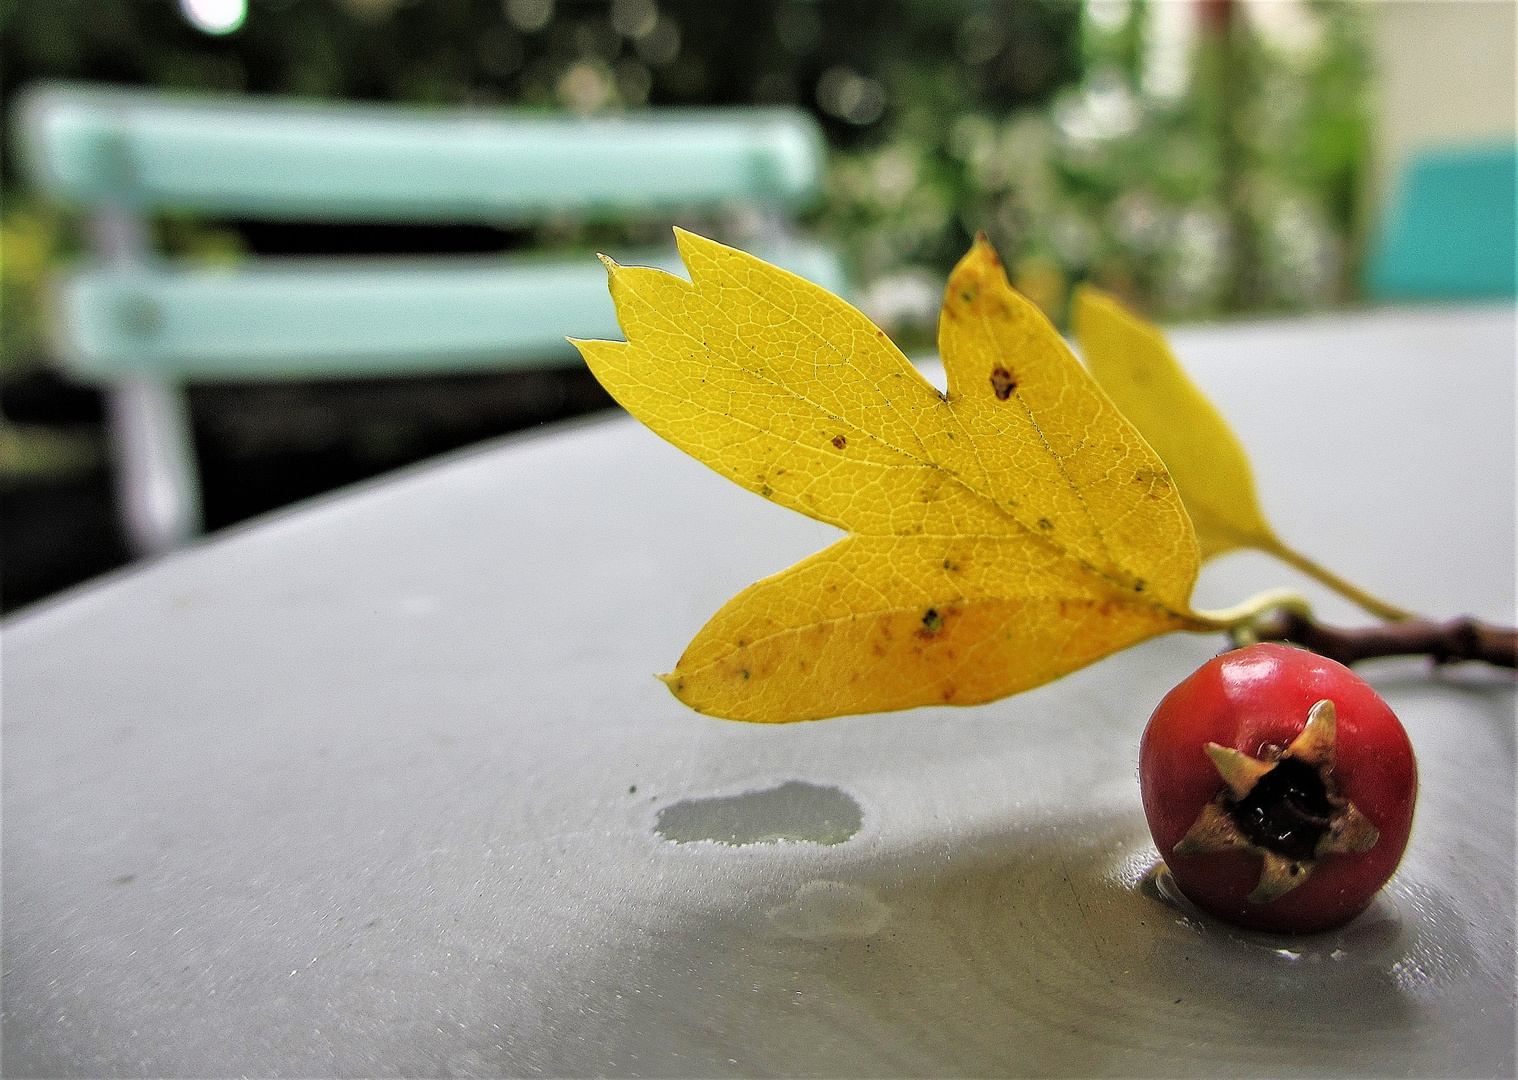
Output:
x=1002 y=383
x=840 y=442
x=932 y=623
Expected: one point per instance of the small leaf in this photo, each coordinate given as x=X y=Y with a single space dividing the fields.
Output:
x=1134 y=364
x=1000 y=536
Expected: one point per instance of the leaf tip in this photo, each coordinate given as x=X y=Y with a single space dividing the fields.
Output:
x=1090 y=298
x=691 y=244
x=978 y=275
x=1090 y=307
x=984 y=249
x=611 y=264
x=1085 y=300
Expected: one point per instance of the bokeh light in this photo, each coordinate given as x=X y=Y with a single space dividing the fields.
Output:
x=215 y=16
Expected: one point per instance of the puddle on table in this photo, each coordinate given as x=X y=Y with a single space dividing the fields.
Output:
x=795 y=810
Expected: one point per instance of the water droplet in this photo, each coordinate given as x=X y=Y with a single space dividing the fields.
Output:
x=828 y=909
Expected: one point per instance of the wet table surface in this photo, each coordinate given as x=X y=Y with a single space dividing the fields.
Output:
x=384 y=786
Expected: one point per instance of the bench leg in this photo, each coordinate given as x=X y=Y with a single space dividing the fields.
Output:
x=157 y=482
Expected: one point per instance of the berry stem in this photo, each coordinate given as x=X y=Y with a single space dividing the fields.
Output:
x=1351 y=592
x=1451 y=642
x=1231 y=620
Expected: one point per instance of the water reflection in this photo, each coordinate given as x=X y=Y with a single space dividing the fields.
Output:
x=1046 y=952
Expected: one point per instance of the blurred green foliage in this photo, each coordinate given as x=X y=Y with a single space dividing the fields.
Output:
x=1236 y=190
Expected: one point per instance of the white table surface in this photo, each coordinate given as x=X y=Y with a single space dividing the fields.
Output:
x=351 y=791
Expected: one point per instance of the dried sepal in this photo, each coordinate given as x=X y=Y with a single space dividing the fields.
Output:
x=1220 y=827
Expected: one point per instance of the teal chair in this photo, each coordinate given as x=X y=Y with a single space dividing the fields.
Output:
x=142 y=326
x=1451 y=232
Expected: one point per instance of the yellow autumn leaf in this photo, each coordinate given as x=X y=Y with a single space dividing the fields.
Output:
x=999 y=536
x=1133 y=362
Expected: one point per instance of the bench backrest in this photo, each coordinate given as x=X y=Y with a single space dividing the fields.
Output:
x=123 y=154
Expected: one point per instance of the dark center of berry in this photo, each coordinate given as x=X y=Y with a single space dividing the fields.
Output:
x=1287 y=811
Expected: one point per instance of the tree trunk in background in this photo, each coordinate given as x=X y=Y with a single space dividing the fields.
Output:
x=1228 y=69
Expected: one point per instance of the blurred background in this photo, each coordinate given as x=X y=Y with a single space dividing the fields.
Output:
x=1199 y=158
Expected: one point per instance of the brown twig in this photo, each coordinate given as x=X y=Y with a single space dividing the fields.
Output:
x=1451 y=642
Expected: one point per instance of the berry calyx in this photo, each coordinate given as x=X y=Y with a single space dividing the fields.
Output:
x=1279 y=789
x=1285 y=809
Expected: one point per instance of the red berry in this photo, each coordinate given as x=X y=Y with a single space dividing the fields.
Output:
x=1264 y=819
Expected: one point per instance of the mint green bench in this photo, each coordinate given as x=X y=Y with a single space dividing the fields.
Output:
x=142 y=326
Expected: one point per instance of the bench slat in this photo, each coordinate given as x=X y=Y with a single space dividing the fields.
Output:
x=360 y=317
x=311 y=161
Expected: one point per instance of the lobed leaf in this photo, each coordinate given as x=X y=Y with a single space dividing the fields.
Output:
x=1000 y=535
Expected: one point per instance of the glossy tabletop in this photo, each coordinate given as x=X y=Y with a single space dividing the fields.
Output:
x=383 y=785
